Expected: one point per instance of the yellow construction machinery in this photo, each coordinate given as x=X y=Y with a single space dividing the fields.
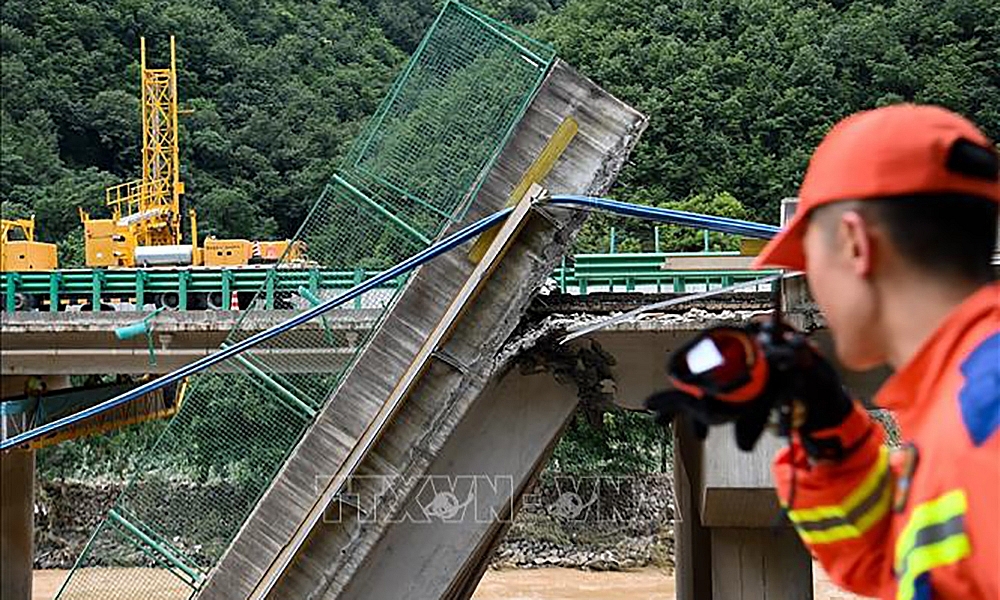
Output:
x=145 y=212
x=20 y=252
x=145 y=224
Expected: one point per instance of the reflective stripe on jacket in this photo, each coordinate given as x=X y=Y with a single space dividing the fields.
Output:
x=922 y=523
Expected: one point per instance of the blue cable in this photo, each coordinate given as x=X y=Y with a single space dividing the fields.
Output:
x=676 y=217
x=666 y=215
x=425 y=255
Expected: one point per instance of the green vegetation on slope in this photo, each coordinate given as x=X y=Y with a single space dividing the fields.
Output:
x=277 y=90
x=737 y=92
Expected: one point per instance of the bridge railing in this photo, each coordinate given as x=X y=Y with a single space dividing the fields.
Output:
x=182 y=289
x=648 y=273
x=192 y=289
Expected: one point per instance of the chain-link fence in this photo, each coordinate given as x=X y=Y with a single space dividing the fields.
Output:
x=413 y=170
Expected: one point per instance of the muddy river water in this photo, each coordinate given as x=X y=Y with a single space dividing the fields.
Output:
x=570 y=584
x=516 y=584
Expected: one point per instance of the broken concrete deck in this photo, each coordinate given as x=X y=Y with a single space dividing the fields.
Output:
x=343 y=553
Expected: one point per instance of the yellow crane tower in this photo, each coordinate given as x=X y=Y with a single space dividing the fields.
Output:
x=145 y=223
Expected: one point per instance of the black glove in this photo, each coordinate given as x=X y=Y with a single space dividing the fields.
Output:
x=706 y=411
x=761 y=369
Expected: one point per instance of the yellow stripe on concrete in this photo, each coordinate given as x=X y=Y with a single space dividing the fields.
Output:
x=538 y=170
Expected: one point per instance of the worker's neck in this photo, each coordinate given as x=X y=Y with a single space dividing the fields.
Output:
x=913 y=306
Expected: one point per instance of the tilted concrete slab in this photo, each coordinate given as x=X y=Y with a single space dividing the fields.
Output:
x=436 y=545
x=335 y=552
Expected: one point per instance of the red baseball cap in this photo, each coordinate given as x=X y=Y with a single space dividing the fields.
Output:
x=897 y=150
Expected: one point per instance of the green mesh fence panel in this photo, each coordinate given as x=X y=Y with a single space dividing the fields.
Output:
x=414 y=169
x=428 y=144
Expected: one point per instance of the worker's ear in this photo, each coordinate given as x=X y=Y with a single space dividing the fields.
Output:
x=856 y=242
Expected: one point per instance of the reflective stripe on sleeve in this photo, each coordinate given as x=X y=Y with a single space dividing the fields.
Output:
x=933 y=537
x=855 y=515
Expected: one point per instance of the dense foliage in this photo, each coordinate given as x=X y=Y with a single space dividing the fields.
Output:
x=738 y=92
x=276 y=91
x=623 y=443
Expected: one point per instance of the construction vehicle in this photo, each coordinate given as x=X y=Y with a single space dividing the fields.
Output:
x=145 y=224
x=142 y=241
x=20 y=252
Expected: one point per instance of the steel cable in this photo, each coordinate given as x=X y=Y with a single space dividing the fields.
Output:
x=429 y=253
x=666 y=215
x=676 y=217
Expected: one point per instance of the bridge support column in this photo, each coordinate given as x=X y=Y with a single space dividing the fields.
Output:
x=692 y=541
x=17 y=472
x=728 y=541
x=755 y=563
x=17 y=496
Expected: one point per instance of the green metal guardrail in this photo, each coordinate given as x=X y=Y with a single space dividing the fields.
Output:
x=645 y=273
x=181 y=289
x=190 y=288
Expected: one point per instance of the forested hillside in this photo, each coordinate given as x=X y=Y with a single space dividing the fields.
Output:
x=738 y=92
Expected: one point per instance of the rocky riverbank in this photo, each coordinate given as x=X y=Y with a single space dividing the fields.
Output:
x=596 y=523
x=593 y=522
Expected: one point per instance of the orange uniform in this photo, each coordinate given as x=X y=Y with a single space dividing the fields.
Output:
x=920 y=522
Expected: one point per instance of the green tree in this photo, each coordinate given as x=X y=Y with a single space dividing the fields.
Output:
x=232 y=214
x=675 y=238
x=625 y=443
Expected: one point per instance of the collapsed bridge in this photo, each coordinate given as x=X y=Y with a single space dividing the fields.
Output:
x=480 y=122
x=468 y=118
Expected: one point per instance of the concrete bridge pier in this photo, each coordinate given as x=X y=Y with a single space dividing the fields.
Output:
x=731 y=541
x=17 y=496
x=17 y=471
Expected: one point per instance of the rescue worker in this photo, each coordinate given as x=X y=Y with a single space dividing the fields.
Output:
x=895 y=229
